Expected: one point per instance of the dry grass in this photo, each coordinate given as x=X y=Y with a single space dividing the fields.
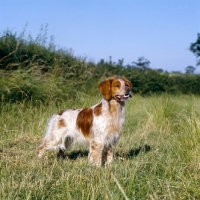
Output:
x=157 y=156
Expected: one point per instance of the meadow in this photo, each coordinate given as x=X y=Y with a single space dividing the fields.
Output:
x=157 y=156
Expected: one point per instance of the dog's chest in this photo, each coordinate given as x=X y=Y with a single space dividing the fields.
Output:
x=111 y=120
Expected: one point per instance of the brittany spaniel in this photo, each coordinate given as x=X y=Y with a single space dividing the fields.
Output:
x=99 y=126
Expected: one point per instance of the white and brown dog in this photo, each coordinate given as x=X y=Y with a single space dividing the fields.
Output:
x=99 y=126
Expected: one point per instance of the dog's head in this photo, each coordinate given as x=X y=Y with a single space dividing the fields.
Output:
x=116 y=88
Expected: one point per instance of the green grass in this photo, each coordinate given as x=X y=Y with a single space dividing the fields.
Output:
x=157 y=157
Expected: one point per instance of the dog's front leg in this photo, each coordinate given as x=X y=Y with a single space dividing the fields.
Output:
x=108 y=153
x=96 y=154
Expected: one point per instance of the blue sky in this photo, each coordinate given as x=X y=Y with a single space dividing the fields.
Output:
x=159 y=30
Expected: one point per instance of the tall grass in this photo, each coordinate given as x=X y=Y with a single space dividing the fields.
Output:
x=157 y=156
x=38 y=70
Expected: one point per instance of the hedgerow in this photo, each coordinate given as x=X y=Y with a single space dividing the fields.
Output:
x=37 y=70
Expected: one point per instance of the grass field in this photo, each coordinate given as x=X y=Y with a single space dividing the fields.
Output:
x=157 y=157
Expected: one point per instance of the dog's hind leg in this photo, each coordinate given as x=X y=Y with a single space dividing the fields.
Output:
x=47 y=144
x=53 y=136
x=41 y=149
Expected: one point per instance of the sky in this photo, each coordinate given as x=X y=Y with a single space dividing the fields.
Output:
x=159 y=30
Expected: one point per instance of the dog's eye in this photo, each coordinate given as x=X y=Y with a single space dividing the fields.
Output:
x=117 y=85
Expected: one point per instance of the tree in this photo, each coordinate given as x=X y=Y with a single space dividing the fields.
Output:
x=142 y=63
x=190 y=70
x=195 y=48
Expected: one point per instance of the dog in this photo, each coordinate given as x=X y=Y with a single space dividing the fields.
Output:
x=99 y=126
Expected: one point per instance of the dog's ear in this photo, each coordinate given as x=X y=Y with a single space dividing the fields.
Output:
x=105 y=88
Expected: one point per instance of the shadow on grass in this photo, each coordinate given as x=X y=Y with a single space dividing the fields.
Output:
x=73 y=155
x=79 y=154
x=134 y=152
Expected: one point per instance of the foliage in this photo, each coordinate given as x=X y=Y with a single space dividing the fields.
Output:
x=190 y=69
x=195 y=48
x=36 y=70
x=30 y=70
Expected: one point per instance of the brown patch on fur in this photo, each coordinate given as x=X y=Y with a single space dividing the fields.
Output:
x=61 y=112
x=95 y=154
x=92 y=146
x=84 y=121
x=105 y=88
x=98 y=109
x=115 y=87
x=114 y=108
x=61 y=123
x=40 y=148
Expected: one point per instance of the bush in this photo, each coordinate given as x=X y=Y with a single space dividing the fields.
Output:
x=35 y=69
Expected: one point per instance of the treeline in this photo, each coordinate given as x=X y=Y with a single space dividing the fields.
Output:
x=37 y=70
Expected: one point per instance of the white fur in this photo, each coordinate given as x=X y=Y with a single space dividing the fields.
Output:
x=105 y=130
